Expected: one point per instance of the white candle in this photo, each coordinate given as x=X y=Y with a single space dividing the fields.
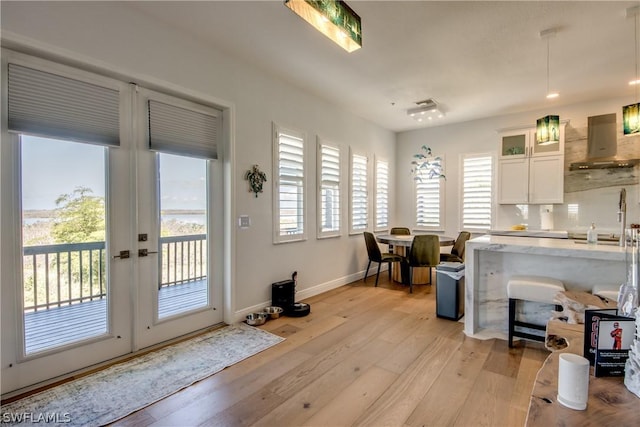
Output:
x=573 y=381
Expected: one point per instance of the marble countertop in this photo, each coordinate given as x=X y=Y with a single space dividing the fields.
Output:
x=559 y=234
x=548 y=246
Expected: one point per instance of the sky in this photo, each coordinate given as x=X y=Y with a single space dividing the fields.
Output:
x=51 y=168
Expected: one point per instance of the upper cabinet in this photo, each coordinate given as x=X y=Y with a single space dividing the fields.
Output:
x=529 y=172
x=522 y=143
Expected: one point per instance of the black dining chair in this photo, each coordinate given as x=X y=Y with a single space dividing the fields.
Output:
x=457 y=251
x=373 y=250
x=424 y=252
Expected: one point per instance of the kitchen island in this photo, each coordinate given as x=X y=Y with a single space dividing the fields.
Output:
x=492 y=260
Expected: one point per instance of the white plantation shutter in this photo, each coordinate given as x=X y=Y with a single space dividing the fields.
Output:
x=329 y=195
x=428 y=201
x=289 y=185
x=382 y=194
x=477 y=170
x=55 y=106
x=359 y=197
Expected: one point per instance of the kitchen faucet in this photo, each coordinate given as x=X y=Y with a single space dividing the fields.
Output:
x=622 y=215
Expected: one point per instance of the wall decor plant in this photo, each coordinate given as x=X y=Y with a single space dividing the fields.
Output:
x=256 y=179
x=426 y=165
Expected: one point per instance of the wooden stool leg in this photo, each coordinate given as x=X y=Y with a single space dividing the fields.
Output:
x=512 y=319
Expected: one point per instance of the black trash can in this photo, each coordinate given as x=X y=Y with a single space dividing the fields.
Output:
x=450 y=290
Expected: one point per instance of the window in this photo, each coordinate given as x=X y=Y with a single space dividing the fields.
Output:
x=382 y=194
x=359 y=197
x=477 y=173
x=289 y=185
x=429 y=201
x=329 y=190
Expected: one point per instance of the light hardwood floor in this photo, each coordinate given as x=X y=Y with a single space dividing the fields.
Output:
x=365 y=356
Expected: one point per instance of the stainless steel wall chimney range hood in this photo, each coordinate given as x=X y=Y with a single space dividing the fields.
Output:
x=602 y=145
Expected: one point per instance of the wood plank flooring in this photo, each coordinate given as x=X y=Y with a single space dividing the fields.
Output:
x=365 y=356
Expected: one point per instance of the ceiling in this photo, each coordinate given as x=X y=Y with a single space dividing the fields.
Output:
x=476 y=59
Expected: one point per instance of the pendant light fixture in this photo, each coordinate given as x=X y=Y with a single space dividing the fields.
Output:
x=548 y=130
x=548 y=127
x=631 y=113
x=333 y=18
x=547 y=34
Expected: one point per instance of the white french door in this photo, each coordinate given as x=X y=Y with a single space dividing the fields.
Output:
x=127 y=258
x=179 y=210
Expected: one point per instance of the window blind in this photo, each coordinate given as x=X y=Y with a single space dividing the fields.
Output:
x=476 y=192
x=290 y=184
x=51 y=105
x=183 y=131
x=329 y=190
x=359 y=199
x=382 y=194
x=427 y=201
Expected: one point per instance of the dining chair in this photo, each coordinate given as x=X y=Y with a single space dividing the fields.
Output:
x=398 y=231
x=457 y=251
x=373 y=250
x=424 y=252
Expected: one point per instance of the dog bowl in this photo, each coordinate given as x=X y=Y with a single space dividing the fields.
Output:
x=256 y=319
x=273 y=312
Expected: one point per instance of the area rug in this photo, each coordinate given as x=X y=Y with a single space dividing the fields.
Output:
x=119 y=390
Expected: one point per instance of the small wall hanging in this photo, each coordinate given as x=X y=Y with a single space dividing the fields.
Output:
x=256 y=178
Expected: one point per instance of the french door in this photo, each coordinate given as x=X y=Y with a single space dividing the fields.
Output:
x=106 y=249
x=179 y=211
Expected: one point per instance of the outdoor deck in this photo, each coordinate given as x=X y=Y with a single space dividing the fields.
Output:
x=62 y=325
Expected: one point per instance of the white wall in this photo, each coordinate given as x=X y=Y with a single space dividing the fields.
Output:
x=138 y=48
x=595 y=205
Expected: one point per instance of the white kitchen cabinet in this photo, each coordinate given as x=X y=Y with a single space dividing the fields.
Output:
x=522 y=143
x=529 y=172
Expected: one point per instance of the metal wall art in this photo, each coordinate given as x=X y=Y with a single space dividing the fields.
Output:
x=256 y=178
x=426 y=165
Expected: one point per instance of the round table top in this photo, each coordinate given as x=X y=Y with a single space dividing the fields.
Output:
x=406 y=240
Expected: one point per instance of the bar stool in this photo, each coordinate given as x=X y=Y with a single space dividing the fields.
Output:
x=530 y=288
x=606 y=292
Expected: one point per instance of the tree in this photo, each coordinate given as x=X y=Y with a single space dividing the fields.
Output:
x=80 y=217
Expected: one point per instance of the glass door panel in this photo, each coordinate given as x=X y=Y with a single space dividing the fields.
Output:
x=65 y=285
x=182 y=186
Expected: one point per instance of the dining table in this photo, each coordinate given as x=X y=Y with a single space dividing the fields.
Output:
x=399 y=244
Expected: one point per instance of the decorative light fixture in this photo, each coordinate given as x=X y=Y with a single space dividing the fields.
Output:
x=333 y=18
x=631 y=113
x=426 y=110
x=547 y=34
x=548 y=130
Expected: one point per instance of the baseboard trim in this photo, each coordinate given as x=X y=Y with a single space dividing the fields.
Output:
x=241 y=315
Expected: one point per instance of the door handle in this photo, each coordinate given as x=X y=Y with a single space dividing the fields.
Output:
x=145 y=252
x=123 y=255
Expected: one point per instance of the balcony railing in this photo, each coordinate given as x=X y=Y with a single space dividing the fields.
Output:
x=66 y=274
x=184 y=259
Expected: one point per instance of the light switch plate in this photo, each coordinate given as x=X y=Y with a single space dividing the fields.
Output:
x=244 y=221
